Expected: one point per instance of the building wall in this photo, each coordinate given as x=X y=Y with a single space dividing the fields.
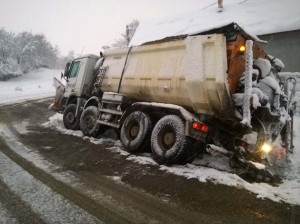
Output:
x=285 y=46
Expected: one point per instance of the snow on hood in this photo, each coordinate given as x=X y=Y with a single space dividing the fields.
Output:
x=256 y=16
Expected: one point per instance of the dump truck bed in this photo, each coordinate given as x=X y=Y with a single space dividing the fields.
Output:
x=190 y=72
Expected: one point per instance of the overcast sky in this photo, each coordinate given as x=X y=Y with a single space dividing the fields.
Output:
x=84 y=24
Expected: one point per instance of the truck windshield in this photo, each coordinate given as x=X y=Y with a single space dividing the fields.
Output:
x=74 y=69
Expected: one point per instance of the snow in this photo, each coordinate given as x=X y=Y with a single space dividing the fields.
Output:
x=56 y=122
x=248 y=84
x=6 y=217
x=51 y=207
x=273 y=83
x=70 y=211
x=22 y=127
x=213 y=149
x=33 y=85
x=258 y=165
x=264 y=65
x=257 y=17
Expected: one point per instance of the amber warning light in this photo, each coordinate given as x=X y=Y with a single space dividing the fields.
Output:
x=242 y=49
x=200 y=127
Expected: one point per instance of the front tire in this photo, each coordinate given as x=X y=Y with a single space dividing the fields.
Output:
x=69 y=119
x=136 y=131
x=169 y=144
x=88 y=122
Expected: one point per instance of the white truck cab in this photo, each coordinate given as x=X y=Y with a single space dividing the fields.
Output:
x=80 y=75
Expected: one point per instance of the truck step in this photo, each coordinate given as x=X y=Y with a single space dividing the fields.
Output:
x=108 y=124
x=109 y=111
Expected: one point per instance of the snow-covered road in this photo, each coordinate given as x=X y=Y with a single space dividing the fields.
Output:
x=50 y=206
x=99 y=177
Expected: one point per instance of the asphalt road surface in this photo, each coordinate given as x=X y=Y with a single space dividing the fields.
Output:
x=49 y=177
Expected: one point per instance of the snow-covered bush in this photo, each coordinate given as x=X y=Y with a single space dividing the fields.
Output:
x=9 y=68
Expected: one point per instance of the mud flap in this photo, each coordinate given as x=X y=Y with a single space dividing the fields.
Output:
x=59 y=89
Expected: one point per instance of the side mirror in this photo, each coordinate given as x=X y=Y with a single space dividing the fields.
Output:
x=67 y=70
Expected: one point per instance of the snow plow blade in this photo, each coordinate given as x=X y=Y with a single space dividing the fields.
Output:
x=59 y=88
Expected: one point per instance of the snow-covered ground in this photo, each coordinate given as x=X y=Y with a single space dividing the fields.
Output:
x=33 y=85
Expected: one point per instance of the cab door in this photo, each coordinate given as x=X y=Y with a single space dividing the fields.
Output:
x=72 y=78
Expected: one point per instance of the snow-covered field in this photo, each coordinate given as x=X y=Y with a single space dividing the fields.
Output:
x=33 y=85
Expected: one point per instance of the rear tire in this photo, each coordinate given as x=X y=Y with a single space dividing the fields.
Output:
x=88 y=122
x=69 y=119
x=169 y=144
x=136 y=131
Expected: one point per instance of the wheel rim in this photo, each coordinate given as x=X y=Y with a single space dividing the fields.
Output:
x=70 y=117
x=89 y=121
x=167 y=139
x=133 y=131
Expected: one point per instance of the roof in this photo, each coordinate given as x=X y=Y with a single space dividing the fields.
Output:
x=257 y=17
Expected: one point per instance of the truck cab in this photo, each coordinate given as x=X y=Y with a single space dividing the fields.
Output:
x=79 y=75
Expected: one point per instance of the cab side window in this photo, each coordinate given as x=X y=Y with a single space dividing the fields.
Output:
x=74 y=69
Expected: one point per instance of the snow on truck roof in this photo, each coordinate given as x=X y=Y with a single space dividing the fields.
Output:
x=258 y=17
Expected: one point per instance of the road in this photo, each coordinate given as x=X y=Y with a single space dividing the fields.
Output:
x=49 y=177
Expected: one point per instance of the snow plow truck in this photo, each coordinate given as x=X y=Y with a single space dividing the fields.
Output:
x=214 y=91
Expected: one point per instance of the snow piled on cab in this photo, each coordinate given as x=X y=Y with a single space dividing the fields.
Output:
x=33 y=85
x=212 y=169
x=257 y=17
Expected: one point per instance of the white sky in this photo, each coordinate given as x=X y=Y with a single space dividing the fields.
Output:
x=72 y=24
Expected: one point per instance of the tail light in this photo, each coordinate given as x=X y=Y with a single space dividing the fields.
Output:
x=200 y=127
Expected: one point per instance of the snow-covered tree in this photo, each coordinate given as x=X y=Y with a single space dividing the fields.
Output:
x=8 y=64
x=24 y=52
x=34 y=51
x=127 y=36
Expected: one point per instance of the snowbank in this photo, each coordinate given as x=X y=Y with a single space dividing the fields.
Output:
x=33 y=85
x=257 y=17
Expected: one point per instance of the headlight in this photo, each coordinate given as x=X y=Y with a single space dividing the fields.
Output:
x=266 y=148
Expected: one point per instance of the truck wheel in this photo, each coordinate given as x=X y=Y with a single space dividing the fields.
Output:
x=169 y=144
x=136 y=131
x=88 y=124
x=69 y=119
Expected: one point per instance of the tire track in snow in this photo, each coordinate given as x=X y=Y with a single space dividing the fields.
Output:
x=5 y=216
x=13 y=209
x=64 y=183
x=107 y=208
x=50 y=206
